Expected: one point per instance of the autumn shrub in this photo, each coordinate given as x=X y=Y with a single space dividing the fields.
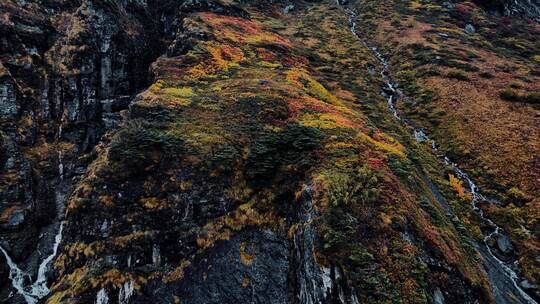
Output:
x=225 y=157
x=357 y=189
x=433 y=213
x=137 y=147
x=486 y=75
x=517 y=196
x=460 y=65
x=290 y=147
x=461 y=8
x=457 y=184
x=457 y=74
x=513 y=95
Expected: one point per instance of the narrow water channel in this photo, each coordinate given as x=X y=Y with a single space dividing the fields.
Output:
x=504 y=279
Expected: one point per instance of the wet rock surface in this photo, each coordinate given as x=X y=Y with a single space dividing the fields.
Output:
x=60 y=60
x=253 y=266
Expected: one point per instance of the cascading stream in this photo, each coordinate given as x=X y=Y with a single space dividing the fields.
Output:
x=392 y=94
x=22 y=281
x=33 y=291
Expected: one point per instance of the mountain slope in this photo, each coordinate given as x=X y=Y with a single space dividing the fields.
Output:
x=262 y=163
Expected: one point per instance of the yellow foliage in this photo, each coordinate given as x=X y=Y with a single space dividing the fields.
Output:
x=153 y=203
x=122 y=241
x=245 y=281
x=395 y=148
x=457 y=185
x=339 y=146
x=179 y=92
x=242 y=217
x=177 y=274
x=302 y=79
x=75 y=281
x=223 y=57
x=106 y=200
x=266 y=64
x=245 y=257
x=326 y=121
x=116 y=278
x=156 y=86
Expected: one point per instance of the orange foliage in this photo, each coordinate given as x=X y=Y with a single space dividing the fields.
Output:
x=266 y=55
x=457 y=185
x=241 y=30
x=222 y=58
x=375 y=163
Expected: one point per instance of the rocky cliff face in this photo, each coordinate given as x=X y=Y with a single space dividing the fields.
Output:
x=525 y=8
x=219 y=151
x=68 y=69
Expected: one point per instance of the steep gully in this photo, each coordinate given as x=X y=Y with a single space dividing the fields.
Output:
x=89 y=106
x=31 y=283
x=502 y=275
x=34 y=290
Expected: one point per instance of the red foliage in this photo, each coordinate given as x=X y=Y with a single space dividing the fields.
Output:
x=506 y=20
x=266 y=55
x=375 y=163
x=461 y=8
x=295 y=107
x=294 y=61
x=240 y=24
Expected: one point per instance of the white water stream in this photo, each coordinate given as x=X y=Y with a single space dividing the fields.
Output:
x=22 y=281
x=33 y=291
x=391 y=93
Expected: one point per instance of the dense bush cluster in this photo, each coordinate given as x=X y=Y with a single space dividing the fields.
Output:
x=138 y=147
x=513 y=95
x=291 y=146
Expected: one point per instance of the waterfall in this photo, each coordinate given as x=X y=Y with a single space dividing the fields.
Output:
x=391 y=93
x=60 y=165
x=22 y=281
x=18 y=279
x=102 y=297
x=126 y=291
x=33 y=291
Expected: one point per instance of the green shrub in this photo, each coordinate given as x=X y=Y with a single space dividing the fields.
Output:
x=138 y=147
x=357 y=189
x=517 y=196
x=513 y=95
x=486 y=75
x=457 y=74
x=292 y=146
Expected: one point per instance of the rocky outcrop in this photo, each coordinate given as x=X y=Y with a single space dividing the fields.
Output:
x=522 y=8
x=67 y=70
x=526 y=8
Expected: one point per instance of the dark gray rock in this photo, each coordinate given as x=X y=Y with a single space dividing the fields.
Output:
x=8 y=99
x=503 y=244
x=449 y=5
x=288 y=8
x=223 y=276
